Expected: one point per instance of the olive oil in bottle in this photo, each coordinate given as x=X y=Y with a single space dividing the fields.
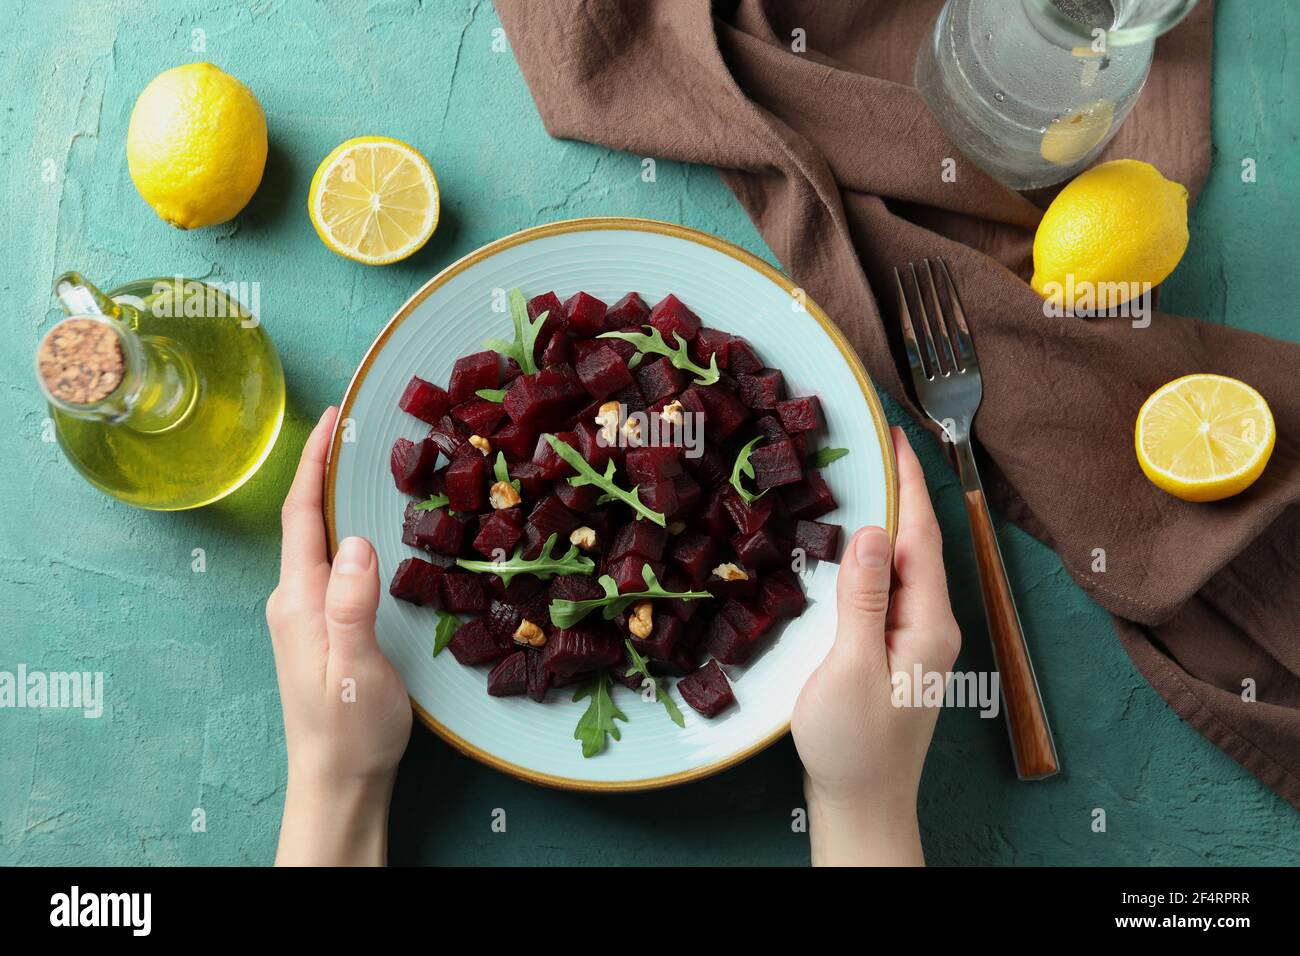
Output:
x=166 y=394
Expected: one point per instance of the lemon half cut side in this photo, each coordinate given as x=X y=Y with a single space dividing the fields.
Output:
x=374 y=200
x=1204 y=437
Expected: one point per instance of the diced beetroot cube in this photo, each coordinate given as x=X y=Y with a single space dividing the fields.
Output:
x=630 y=398
x=758 y=549
x=750 y=621
x=643 y=538
x=447 y=436
x=779 y=595
x=724 y=642
x=543 y=399
x=628 y=573
x=502 y=619
x=410 y=518
x=775 y=464
x=531 y=483
x=548 y=461
x=748 y=518
x=603 y=372
x=671 y=316
x=711 y=469
x=802 y=414
x=472 y=372
x=659 y=379
x=463 y=593
x=416 y=580
x=660 y=496
x=531 y=597
x=709 y=343
x=810 y=498
x=818 y=540
x=509 y=676
x=769 y=426
x=601 y=520
x=693 y=407
x=682 y=662
x=580 y=499
x=653 y=463
x=741 y=357
x=620 y=673
x=558 y=349
x=688 y=492
x=723 y=412
x=412 y=464
x=695 y=555
x=424 y=400
x=762 y=389
x=723 y=589
x=515 y=441
x=472 y=644
x=682 y=610
x=584 y=315
x=707 y=690
x=629 y=310
x=467 y=483
x=580 y=649
x=549 y=516
x=575 y=587
x=497 y=535
x=439 y=531
x=539 y=678
x=548 y=302
x=713 y=518
x=478 y=415
x=663 y=638
x=592 y=446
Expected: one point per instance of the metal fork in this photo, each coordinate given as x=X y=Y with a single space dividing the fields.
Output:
x=946 y=374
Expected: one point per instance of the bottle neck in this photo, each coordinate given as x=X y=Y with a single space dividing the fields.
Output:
x=155 y=385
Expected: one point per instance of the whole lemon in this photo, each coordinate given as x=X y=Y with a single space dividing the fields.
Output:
x=196 y=145
x=1116 y=227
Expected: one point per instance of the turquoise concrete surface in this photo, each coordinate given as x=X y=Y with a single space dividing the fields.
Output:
x=192 y=717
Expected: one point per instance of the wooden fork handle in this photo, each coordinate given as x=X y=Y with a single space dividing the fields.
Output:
x=1031 y=735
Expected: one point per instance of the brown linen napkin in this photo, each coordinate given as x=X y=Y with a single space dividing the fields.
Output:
x=837 y=160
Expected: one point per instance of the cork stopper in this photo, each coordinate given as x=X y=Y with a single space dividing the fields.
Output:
x=80 y=361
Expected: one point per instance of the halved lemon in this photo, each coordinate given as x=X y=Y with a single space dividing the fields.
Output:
x=1204 y=437
x=374 y=200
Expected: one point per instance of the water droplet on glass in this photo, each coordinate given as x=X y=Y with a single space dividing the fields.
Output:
x=1000 y=96
x=989 y=37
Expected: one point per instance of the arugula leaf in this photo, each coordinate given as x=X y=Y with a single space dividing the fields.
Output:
x=497 y=395
x=654 y=344
x=639 y=666
x=743 y=467
x=598 y=721
x=544 y=567
x=447 y=626
x=501 y=471
x=586 y=475
x=568 y=613
x=433 y=503
x=526 y=332
x=824 y=456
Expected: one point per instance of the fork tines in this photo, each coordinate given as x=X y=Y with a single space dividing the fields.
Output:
x=925 y=360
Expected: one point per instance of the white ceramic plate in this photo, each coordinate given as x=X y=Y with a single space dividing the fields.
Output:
x=450 y=317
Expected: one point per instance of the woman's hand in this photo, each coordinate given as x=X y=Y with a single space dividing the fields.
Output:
x=347 y=718
x=862 y=755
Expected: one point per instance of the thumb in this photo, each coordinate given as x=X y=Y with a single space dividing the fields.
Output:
x=352 y=596
x=863 y=594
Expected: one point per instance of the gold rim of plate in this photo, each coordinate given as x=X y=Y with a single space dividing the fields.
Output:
x=584 y=225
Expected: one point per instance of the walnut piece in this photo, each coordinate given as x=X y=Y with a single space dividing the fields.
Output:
x=502 y=495
x=641 y=621
x=584 y=538
x=482 y=444
x=529 y=633
x=632 y=430
x=672 y=413
x=607 y=419
x=730 y=572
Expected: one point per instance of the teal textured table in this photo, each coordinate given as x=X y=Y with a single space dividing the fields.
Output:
x=192 y=716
